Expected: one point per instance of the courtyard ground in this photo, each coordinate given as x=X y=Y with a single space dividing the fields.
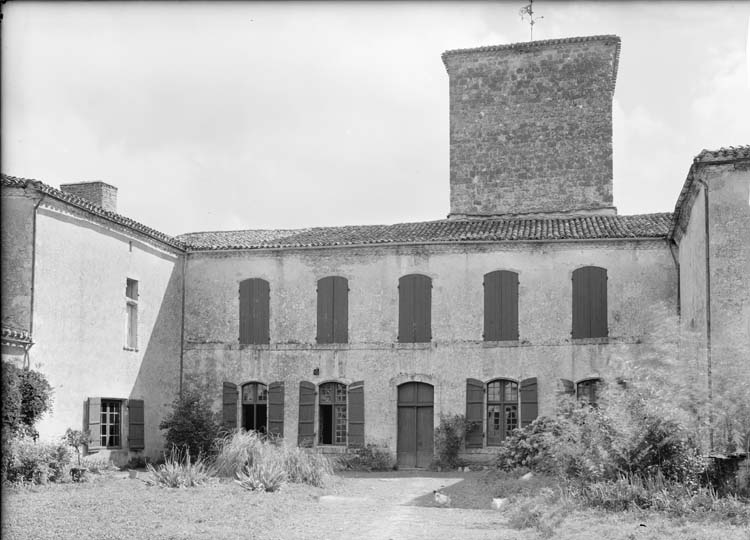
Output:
x=357 y=506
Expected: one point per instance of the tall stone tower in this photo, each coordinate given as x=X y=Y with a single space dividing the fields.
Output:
x=531 y=127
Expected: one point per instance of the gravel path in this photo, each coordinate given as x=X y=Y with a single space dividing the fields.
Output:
x=370 y=508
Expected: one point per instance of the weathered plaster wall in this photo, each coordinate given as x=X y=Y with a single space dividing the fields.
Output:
x=641 y=278
x=80 y=318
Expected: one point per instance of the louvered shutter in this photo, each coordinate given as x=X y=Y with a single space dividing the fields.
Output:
x=340 y=310
x=229 y=405
x=491 y=306
x=598 y=284
x=261 y=334
x=325 y=310
x=580 y=301
x=566 y=387
x=422 y=309
x=94 y=415
x=136 y=432
x=406 y=309
x=474 y=413
x=356 y=412
x=276 y=408
x=306 y=427
x=508 y=305
x=246 y=289
x=529 y=401
x=590 y=302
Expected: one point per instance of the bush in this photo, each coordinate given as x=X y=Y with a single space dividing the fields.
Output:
x=530 y=446
x=36 y=397
x=76 y=439
x=266 y=473
x=38 y=462
x=179 y=470
x=449 y=437
x=368 y=458
x=191 y=425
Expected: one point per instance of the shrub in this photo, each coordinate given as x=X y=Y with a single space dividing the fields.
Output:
x=179 y=470
x=191 y=425
x=306 y=467
x=36 y=397
x=367 y=458
x=76 y=439
x=530 y=446
x=449 y=436
x=236 y=450
x=266 y=472
x=38 y=462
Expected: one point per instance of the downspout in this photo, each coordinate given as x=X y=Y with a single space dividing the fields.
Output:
x=672 y=246
x=708 y=319
x=182 y=317
x=26 y=361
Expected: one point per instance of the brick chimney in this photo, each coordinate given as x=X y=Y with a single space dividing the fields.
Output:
x=98 y=193
x=531 y=127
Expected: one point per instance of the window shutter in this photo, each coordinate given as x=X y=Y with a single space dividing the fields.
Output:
x=340 y=310
x=508 y=305
x=422 y=309
x=276 y=408
x=306 y=428
x=229 y=406
x=356 y=411
x=246 y=288
x=136 y=432
x=406 y=309
x=474 y=413
x=94 y=415
x=325 y=310
x=566 y=387
x=529 y=401
x=589 y=302
x=261 y=297
x=598 y=284
x=492 y=306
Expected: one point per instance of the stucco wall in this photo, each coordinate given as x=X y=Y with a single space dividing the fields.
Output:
x=82 y=264
x=641 y=278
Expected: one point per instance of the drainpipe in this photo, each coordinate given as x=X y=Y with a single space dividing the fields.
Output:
x=672 y=246
x=26 y=361
x=708 y=319
x=182 y=317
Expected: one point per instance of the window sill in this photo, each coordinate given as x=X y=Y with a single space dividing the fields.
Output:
x=411 y=346
x=331 y=449
x=590 y=341
x=505 y=343
x=130 y=349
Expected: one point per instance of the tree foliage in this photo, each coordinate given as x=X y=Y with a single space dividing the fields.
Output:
x=191 y=425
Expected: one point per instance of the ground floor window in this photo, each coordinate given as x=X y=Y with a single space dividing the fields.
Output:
x=502 y=410
x=332 y=413
x=588 y=391
x=494 y=409
x=114 y=423
x=110 y=423
x=255 y=407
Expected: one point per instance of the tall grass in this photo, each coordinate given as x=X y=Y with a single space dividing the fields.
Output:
x=178 y=470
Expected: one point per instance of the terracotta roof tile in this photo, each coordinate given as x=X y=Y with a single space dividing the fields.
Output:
x=482 y=230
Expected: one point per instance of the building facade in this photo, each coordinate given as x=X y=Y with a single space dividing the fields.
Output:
x=336 y=337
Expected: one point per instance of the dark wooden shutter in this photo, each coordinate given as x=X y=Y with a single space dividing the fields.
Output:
x=340 y=310
x=246 y=290
x=529 y=401
x=325 y=310
x=94 y=416
x=422 y=309
x=566 y=387
x=589 y=302
x=356 y=413
x=136 y=432
x=491 y=306
x=261 y=299
x=276 y=408
x=508 y=305
x=474 y=413
x=306 y=427
x=229 y=405
x=406 y=309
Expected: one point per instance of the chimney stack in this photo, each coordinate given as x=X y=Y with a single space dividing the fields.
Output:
x=98 y=193
x=531 y=127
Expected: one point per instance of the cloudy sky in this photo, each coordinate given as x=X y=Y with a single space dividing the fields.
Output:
x=212 y=116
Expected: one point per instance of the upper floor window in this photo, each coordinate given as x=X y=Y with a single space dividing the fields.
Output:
x=500 y=306
x=254 y=301
x=414 y=309
x=590 y=302
x=131 y=309
x=333 y=310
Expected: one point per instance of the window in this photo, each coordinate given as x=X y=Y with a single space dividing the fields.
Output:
x=131 y=308
x=508 y=405
x=340 y=411
x=588 y=391
x=103 y=418
x=254 y=407
x=333 y=310
x=254 y=323
x=590 y=302
x=414 y=309
x=500 y=306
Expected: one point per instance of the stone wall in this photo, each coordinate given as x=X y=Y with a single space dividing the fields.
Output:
x=531 y=126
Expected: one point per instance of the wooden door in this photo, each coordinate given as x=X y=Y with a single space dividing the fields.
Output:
x=415 y=425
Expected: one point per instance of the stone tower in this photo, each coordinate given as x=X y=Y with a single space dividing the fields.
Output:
x=531 y=127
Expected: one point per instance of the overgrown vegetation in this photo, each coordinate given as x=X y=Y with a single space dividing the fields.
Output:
x=368 y=458
x=449 y=436
x=191 y=425
x=179 y=470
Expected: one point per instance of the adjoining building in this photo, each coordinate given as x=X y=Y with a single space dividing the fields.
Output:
x=336 y=337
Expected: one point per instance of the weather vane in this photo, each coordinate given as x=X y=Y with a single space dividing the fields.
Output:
x=528 y=11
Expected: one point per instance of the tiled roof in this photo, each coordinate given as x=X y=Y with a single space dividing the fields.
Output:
x=722 y=155
x=444 y=231
x=14 y=181
x=526 y=45
x=14 y=336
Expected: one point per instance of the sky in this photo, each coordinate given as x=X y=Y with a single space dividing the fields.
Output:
x=237 y=115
